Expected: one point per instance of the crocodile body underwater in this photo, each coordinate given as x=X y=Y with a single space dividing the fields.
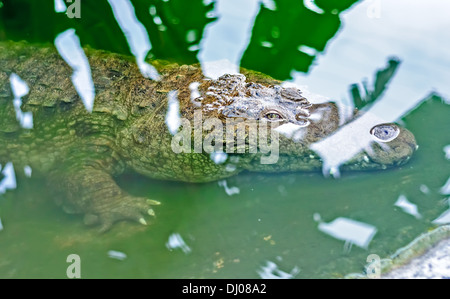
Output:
x=80 y=152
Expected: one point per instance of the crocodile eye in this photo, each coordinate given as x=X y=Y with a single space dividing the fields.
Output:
x=273 y=116
x=385 y=132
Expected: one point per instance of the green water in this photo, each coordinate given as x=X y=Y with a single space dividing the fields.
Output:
x=271 y=219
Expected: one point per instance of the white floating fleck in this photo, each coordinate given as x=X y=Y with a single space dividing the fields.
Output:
x=195 y=93
x=27 y=120
x=27 y=170
x=292 y=131
x=68 y=45
x=157 y=20
x=136 y=35
x=311 y=96
x=407 y=207
x=60 y=6
x=226 y=39
x=194 y=48
x=424 y=189
x=266 y=44
x=1 y=225
x=445 y=190
x=358 y=233
x=230 y=167
x=269 y=4
x=152 y=10
x=9 y=180
x=118 y=255
x=217 y=68
x=18 y=86
x=271 y=271
x=309 y=4
x=218 y=157
x=20 y=89
x=334 y=172
x=447 y=151
x=176 y=241
x=317 y=217
x=191 y=35
x=444 y=218
x=173 y=118
x=229 y=190
x=307 y=50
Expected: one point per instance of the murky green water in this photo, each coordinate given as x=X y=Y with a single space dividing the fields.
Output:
x=231 y=236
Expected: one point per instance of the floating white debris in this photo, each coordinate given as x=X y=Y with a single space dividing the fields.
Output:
x=307 y=50
x=173 y=118
x=230 y=167
x=445 y=190
x=176 y=241
x=292 y=131
x=157 y=20
x=225 y=40
x=407 y=206
x=424 y=189
x=317 y=217
x=218 y=157
x=27 y=170
x=447 y=151
x=118 y=255
x=444 y=218
x=217 y=68
x=191 y=35
x=266 y=44
x=136 y=35
x=60 y=6
x=311 y=96
x=18 y=86
x=269 y=4
x=20 y=89
x=358 y=233
x=271 y=271
x=309 y=4
x=9 y=181
x=195 y=94
x=194 y=48
x=68 y=45
x=229 y=190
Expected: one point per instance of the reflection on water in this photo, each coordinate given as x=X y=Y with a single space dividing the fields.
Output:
x=117 y=255
x=173 y=118
x=271 y=271
x=349 y=230
x=68 y=45
x=225 y=40
x=176 y=242
x=407 y=206
x=445 y=190
x=229 y=190
x=20 y=89
x=136 y=35
x=447 y=152
x=60 y=6
x=8 y=182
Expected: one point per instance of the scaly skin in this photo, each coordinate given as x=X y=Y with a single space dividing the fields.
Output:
x=80 y=152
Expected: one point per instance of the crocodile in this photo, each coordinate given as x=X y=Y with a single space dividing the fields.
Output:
x=80 y=153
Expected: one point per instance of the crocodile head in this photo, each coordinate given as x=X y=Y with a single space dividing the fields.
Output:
x=297 y=125
x=260 y=125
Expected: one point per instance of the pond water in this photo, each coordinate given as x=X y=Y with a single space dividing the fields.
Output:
x=253 y=225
